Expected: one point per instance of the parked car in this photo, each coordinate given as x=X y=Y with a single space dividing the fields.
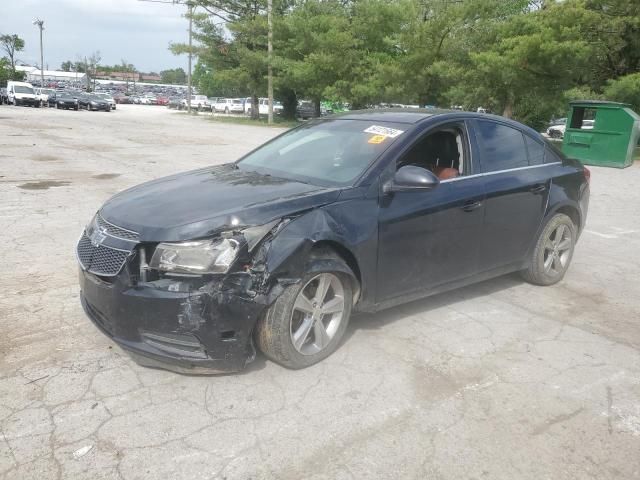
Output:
x=107 y=97
x=93 y=102
x=121 y=99
x=148 y=100
x=263 y=106
x=174 y=102
x=42 y=94
x=162 y=100
x=557 y=131
x=306 y=110
x=21 y=93
x=353 y=213
x=229 y=105
x=63 y=99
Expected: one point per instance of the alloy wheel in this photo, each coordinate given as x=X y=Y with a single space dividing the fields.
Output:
x=317 y=314
x=557 y=250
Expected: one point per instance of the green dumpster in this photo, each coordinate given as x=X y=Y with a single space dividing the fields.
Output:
x=601 y=133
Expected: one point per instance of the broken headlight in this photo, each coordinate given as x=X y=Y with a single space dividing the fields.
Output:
x=196 y=257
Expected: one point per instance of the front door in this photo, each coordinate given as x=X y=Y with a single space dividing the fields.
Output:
x=429 y=238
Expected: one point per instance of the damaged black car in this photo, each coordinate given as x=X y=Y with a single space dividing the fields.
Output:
x=357 y=212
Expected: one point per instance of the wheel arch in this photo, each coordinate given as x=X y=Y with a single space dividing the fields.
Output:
x=568 y=209
x=294 y=251
x=348 y=257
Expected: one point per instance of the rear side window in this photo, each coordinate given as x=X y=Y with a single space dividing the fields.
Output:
x=535 y=151
x=502 y=147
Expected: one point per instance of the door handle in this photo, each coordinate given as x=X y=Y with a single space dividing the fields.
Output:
x=471 y=205
x=538 y=189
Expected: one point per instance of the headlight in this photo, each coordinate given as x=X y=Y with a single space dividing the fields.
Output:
x=197 y=257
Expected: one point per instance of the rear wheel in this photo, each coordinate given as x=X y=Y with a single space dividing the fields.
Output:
x=306 y=323
x=553 y=252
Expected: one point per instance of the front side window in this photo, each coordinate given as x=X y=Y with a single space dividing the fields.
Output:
x=441 y=151
x=328 y=153
x=502 y=147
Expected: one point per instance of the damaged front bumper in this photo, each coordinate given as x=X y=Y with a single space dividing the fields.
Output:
x=188 y=325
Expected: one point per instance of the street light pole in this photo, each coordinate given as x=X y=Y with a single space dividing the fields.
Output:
x=190 y=44
x=269 y=60
x=40 y=24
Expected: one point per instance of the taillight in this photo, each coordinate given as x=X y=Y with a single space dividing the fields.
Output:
x=587 y=175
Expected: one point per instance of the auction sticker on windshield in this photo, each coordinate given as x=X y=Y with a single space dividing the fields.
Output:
x=376 y=139
x=387 y=132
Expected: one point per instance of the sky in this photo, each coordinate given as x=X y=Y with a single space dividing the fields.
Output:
x=137 y=31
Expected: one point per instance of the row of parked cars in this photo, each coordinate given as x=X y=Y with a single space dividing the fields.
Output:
x=224 y=105
x=22 y=93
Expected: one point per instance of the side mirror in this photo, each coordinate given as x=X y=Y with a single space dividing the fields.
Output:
x=410 y=178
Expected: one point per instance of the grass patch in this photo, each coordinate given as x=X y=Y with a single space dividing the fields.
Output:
x=262 y=122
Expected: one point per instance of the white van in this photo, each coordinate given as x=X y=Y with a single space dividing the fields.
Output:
x=21 y=93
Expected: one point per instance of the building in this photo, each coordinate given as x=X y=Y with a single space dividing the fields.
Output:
x=124 y=76
x=32 y=74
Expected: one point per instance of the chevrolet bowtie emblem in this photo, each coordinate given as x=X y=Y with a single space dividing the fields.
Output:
x=98 y=236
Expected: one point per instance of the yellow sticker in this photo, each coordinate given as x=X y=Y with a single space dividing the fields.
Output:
x=377 y=139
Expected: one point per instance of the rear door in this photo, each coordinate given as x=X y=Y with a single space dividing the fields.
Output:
x=517 y=187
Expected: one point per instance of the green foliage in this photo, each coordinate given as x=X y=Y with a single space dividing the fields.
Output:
x=176 y=76
x=7 y=73
x=626 y=90
x=524 y=59
x=11 y=44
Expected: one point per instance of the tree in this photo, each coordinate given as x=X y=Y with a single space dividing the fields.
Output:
x=12 y=44
x=317 y=49
x=67 y=66
x=625 y=89
x=176 y=76
x=236 y=52
x=7 y=73
x=91 y=67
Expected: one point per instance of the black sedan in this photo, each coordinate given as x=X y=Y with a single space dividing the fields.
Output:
x=93 y=102
x=357 y=212
x=63 y=100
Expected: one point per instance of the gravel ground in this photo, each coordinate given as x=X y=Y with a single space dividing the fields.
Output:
x=501 y=380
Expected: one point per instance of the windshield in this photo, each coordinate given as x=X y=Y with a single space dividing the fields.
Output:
x=64 y=96
x=328 y=153
x=23 y=89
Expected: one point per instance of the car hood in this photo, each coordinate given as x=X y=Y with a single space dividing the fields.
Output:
x=202 y=202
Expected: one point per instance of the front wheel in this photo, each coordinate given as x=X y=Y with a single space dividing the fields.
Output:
x=553 y=252
x=306 y=323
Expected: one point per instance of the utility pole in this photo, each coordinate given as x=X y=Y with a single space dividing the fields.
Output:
x=269 y=60
x=190 y=44
x=40 y=24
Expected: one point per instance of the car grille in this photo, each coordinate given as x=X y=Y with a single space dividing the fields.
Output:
x=100 y=260
x=115 y=231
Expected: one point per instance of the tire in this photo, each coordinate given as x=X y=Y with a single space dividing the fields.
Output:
x=76 y=108
x=553 y=252
x=276 y=329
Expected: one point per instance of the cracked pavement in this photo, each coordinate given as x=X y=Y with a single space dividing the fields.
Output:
x=499 y=380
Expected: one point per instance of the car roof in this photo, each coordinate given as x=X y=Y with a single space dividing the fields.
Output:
x=395 y=115
x=417 y=115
